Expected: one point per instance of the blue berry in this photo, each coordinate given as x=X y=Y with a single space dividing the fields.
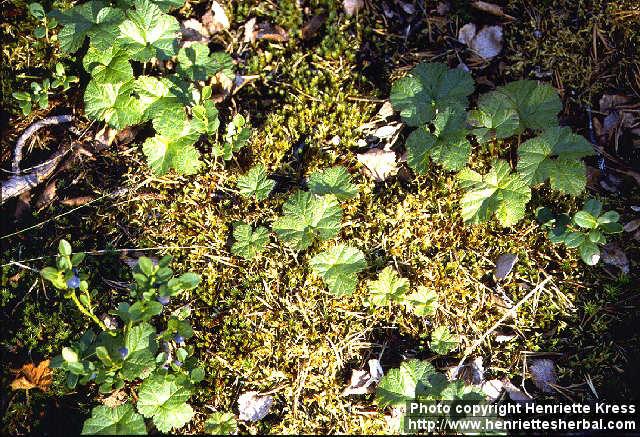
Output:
x=177 y=363
x=123 y=352
x=73 y=282
x=178 y=338
x=75 y=271
x=163 y=299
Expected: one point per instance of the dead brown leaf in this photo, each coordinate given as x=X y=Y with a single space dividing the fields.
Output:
x=271 y=33
x=215 y=19
x=47 y=196
x=492 y=9
x=77 y=201
x=351 y=7
x=30 y=376
x=312 y=26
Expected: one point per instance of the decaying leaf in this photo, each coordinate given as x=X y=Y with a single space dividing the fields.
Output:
x=613 y=255
x=30 y=376
x=77 y=201
x=215 y=19
x=492 y=388
x=312 y=26
x=487 y=42
x=491 y=8
x=504 y=265
x=632 y=225
x=193 y=30
x=351 y=7
x=543 y=374
x=253 y=407
x=363 y=382
x=471 y=373
x=249 y=34
x=380 y=163
x=515 y=393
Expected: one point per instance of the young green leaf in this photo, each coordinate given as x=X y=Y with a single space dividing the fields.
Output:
x=495 y=118
x=423 y=301
x=338 y=267
x=387 y=288
x=430 y=86
x=205 y=118
x=164 y=398
x=590 y=253
x=404 y=384
x=446 y=146
x=109 y=65
x=236 y=137
x=120 y=420
x=555 y=155
x=442 y=341
x=249 y=242
x=255 y=183
x=593 y=207
x=221 y=424
x=498 y=192
x=585 y=220
x=196 y=64
x=113 y=103
x=148 y=32
x=537 y=104
x=334 y=180
x=90 y=19
x=173 y=152
x=307 y=218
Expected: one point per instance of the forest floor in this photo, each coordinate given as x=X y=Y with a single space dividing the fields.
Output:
x=269 y=325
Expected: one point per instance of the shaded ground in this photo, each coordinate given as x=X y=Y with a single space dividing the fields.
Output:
x=270 y=325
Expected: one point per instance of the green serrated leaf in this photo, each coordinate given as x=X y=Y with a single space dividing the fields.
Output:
x=387 y=288
x=307 y=218
x=249 y=242
x=255 y=183
x=426 y=88
x=555 y=155
x=446 y=146
x=338 y=267
x=537 y=104
x=148 y=32
x=120 y=420
x=334 y=180
x=91 y=19
x=221 y=424
x=423 y=301
x=160 y=103
x=495 y=118
x=499 y=192
x=109 y=65
x=442 y=341
x=142 y=346
x=173 y=152
x=164 y=399
x=196 y=64
x=165 y=5
x=404 y=384
x=112 y=103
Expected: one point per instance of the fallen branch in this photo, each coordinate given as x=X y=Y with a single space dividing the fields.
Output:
x=510 y=313
x=20 y=183
x=17 y=153
x=17 y=185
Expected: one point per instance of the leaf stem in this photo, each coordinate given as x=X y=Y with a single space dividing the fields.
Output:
x=86 y=312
